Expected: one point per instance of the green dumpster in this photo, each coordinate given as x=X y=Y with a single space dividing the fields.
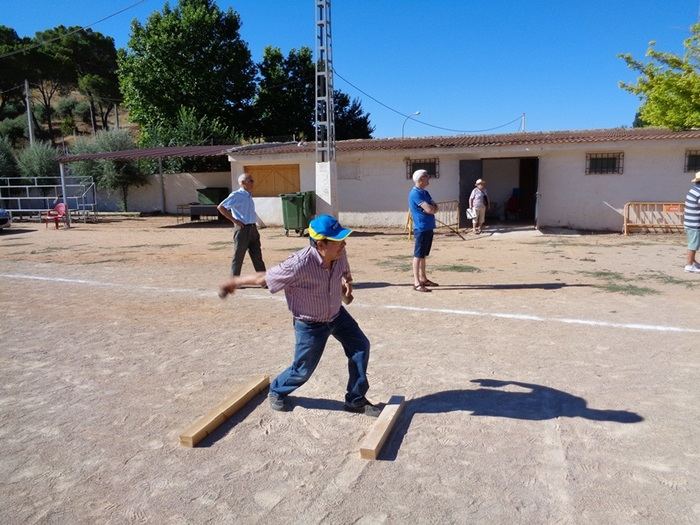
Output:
x=297 y=210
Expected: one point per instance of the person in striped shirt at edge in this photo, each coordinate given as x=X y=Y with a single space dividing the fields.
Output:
x=314 y=281
x=691 y=221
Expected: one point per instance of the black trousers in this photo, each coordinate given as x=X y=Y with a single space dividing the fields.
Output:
x=246 y=239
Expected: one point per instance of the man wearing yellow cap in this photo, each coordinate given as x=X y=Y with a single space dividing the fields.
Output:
x=314 y=281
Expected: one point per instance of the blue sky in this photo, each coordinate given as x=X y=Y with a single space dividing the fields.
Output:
x=464 y=64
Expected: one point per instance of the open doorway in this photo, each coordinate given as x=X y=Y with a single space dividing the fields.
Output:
x=511 y=184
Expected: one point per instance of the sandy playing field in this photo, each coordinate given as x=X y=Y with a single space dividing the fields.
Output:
x=551 y=378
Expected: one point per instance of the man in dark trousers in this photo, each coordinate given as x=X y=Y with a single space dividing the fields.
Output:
x=239 y=208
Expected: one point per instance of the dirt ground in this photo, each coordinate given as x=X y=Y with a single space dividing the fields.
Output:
x=551 y=378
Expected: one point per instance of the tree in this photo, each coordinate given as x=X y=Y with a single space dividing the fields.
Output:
x=39 y=161
x=14 y=129
x=8 y=163
x=350 y=122
x=189 y=130
x=284 y=102
x=669 y=86
x=13 y=68
x=117 y=175
x=285 y=99
x=73 y=57
x=193 y=57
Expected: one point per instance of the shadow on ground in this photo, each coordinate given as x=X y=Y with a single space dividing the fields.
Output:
x=533 y=402
x=17 y=231
x=515 y=286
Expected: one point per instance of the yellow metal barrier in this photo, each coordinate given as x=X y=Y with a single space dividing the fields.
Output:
x=664 y=217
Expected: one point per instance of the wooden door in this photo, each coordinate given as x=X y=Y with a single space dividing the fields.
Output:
x=271 y=180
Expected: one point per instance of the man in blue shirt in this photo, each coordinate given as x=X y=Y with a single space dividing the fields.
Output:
x=239 y=208
x=423 y=209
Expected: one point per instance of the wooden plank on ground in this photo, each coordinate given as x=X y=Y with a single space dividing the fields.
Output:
x=205 y=425
x=373 y=443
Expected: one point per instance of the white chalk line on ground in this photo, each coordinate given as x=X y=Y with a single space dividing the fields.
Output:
x=449 y=311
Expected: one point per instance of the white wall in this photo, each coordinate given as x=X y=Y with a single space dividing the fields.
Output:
x=180 y=188
x=373 y=188
x=653 y=171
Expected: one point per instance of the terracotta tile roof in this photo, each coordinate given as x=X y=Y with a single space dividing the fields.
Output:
x=472 y=141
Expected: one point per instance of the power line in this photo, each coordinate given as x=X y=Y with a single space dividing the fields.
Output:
x=39 y=44
x=12 y=89
x=420 y=121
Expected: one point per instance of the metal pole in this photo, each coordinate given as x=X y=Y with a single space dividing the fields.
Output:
x=522 y=122
x=30 y=125
x=65 y=195
x=162 y=184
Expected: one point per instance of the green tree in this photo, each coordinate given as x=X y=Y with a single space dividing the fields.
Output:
x=14 y=129
x=191 y=56
x=669 y=85
x=72 y=57
x=39 y=161
x=189 y=130
x=350 y=121
x=116 y=175
x=14 y=69
x=284 y=102
x=8 y=163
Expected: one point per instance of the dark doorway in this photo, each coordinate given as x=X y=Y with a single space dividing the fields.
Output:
x=469 y=172
x=516 y=206
x=528 y=188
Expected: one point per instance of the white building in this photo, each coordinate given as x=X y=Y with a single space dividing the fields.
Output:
x=576 y=179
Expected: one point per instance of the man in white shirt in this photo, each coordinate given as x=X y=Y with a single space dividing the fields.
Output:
x=239 y=208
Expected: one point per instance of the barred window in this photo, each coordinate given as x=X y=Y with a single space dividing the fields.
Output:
x=604 y=163
x=432 y=166
x=692 y=160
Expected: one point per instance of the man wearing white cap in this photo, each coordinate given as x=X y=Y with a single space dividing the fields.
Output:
x=691 y=221
x=314 y=281
x=423 y=210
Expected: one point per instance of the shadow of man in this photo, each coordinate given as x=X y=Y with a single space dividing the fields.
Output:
x=533 y=402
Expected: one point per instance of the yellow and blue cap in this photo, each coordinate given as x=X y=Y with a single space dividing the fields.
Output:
x=327 y=227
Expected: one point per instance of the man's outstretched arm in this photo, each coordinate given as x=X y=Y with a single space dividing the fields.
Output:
x=234 y=283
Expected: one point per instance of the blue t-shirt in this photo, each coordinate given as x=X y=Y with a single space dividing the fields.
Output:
x=421 y=221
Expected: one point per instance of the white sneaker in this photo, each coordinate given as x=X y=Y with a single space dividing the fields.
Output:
x=692 y=268
x=696 y=265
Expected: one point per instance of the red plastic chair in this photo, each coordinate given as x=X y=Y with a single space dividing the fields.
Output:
x=56 y=214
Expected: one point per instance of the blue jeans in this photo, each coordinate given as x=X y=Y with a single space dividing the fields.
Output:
x=311 y=340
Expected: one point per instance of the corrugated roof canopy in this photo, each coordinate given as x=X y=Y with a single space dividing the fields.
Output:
x=151 y=153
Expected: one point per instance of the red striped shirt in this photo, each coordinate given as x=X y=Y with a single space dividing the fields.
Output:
x=313 y=293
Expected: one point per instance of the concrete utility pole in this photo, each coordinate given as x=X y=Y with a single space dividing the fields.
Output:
x=30 y=124
x=522 y=123
x=326 y=171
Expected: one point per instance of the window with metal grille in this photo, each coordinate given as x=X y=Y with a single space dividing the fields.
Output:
x=692 y=160
x=604 y=163
x=432 y=166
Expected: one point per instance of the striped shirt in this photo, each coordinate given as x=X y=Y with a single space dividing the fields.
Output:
x=240 y=204
x=691 y=218
x=313 y=293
